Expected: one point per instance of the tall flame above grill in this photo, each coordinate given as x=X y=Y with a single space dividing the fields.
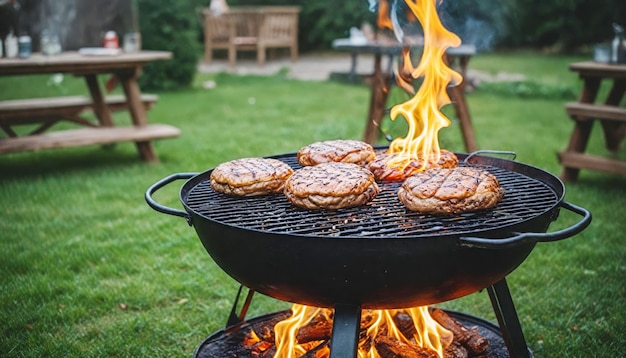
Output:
x=423 y=111
x=425 y=119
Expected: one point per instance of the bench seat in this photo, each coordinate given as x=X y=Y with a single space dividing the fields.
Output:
x=88 y=136
x=612 y=119
x=590 y=111
x=34 y=110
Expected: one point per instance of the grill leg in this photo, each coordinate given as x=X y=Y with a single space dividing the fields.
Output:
x=234 y=319
x=345 y=339
x=507 y=318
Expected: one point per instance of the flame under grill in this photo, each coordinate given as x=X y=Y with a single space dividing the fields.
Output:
x=384 y=217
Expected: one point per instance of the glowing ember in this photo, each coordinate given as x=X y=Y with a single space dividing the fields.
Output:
x=423 y=111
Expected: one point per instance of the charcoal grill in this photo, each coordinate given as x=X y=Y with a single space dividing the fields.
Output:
x=380 y=255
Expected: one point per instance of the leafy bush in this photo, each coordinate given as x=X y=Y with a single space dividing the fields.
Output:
x=325 y=20
x=169 y=25
x=568 y=24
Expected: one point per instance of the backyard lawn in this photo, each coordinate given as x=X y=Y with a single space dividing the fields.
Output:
x=89 y=270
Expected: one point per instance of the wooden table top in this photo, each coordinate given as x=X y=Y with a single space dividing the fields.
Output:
x=74 y=62
x=599 y=69
x=393 y=47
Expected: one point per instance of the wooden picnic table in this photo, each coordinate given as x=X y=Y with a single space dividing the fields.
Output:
x=587 y=111
x=126 y=67
x=383 y=79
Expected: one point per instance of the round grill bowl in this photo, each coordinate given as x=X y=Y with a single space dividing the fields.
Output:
x=377 y=256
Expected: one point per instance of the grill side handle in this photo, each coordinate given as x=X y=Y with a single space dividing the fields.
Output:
x=532 y=237
x=162 y=208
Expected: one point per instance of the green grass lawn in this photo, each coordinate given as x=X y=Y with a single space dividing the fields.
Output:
x=89 y=270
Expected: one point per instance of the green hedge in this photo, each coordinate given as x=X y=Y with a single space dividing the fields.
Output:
x=169 y=25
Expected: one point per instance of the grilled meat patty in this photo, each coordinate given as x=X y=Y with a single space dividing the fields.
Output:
x=451 y=190
x=340 y=150
x=383 y=173
x=250 y=176
x=331 y=186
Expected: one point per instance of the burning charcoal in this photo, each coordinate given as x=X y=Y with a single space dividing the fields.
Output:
x=455 y=350
x=476 y=342
x=266 y=333
x=250 y=339
x=367 y=319
x=319 y=329
x=405 y=324
x=322 y=350
x=261 y=349
x=469 y=338
x=317 y=332
x=388 y=347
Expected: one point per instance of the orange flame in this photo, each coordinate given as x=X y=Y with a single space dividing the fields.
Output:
x=428 y=333
x=286 y=331
x=383 y=21
x=423 y=111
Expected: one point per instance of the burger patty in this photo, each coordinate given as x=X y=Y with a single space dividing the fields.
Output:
x=451 y=191
x=250 y=176
x=340 y=150
x=331 y=186
x=384 y=173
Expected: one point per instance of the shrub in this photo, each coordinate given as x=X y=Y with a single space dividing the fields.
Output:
x=169 y=25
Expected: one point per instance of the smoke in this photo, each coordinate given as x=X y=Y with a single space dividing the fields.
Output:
x=478 y=33
x=58 y=16
x=479 y=23
x=373 y=5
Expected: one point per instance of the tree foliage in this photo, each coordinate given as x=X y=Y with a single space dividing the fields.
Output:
x=565 y=23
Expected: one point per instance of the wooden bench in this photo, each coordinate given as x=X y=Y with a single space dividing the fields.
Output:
x=49 y=111
x=251 y=28
x=45 y=112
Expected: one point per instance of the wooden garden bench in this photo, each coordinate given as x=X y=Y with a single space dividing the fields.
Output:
x=251 y=28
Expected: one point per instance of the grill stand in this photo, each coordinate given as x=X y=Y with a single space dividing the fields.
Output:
x=347 y=319
x=508 y=321
x=345 y=337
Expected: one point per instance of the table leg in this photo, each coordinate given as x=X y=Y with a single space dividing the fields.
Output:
x=353 y=64
x=459 y=103
x=100 y=108
x=378 y=101
x=614 y=131
x=457 y=96
x=137 y=111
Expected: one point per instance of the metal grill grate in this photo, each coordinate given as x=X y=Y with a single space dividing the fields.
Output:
x=384 y=217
